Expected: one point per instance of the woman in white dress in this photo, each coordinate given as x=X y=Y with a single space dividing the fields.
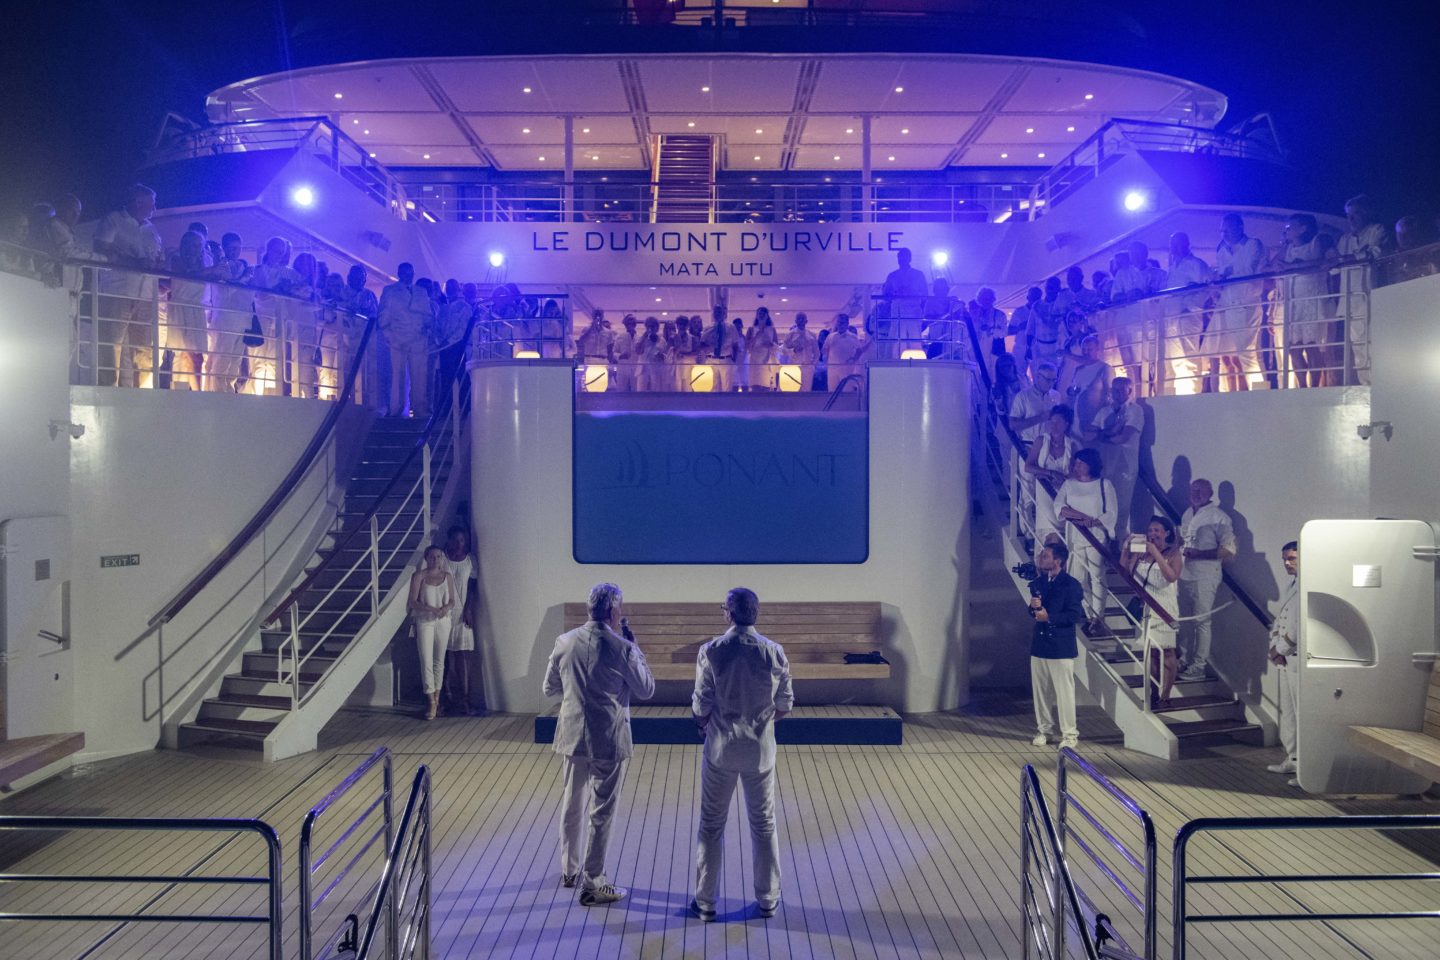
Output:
x=1154 y=558
x=432 y=597
x=1049 y=459
x=460 y=670
x=760 y=341
x=187 y=313
x=1087 y=501
x=1307 y=304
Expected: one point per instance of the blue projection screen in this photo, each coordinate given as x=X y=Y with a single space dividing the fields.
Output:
x=721 y=488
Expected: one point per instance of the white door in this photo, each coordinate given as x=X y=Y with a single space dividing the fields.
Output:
x=1367 y=608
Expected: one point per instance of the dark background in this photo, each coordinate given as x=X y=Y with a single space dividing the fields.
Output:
x=1353 y=87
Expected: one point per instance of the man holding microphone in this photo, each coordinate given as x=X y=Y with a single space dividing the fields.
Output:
x=595 y=669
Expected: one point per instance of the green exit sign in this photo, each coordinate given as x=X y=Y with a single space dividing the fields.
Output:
x=121 y=560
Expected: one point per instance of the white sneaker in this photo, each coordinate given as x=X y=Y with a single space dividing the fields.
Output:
x=1293 y=781
x=603 y=892
x=1195 y=671
x=1071 y=742
x=1284 y=766
x=1040 y=740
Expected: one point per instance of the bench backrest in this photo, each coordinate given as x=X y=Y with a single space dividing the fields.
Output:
x=673 y=632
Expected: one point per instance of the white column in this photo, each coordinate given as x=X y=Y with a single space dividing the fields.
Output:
x=867 y=189
x=569 y=203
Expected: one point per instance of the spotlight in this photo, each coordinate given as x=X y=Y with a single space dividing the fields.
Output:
x=1135 y=201
x=939 y=258
x=497 y=259
x=303 y=197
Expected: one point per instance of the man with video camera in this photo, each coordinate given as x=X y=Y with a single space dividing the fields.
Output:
x=1057 y=604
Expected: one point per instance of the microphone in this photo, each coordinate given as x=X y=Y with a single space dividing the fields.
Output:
x=625 y=629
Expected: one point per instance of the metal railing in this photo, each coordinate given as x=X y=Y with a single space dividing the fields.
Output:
x=1183 y=880
x=1141 y=860
x=316 y=136
x=270 y=881
x=835 y=199
x=352 y=833
x=1119 y=137
x=1051 y=912
x=404 y=893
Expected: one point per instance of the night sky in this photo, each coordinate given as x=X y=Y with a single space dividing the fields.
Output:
x=1354 y=87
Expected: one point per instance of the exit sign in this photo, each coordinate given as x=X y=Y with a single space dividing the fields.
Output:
x=121 y=560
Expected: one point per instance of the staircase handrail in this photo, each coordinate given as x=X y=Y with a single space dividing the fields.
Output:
x=278 y=496
x=437 y=417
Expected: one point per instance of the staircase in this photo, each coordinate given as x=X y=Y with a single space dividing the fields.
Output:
x=684 y=180
x=360 y=583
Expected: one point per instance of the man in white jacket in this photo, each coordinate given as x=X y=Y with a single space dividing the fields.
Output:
x=596 y=670
x=1285 y=653
x=742 y=686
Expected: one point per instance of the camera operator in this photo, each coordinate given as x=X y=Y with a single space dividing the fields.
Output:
x=1057 y=604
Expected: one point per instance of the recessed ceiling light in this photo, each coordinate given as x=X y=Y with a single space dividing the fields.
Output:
x=586 y=130
x=757 y=156
x=784 y=288
x=366 y=132
x=899 y=89
x=879 y=179
x=1041 y=155
x=524 y=129
x=602 y=179
x=849 y=129
x=427 y=156
x=1004 y=156
x=837 y=156
x=542 y=159
x=1089 y=96
x=758 y=130
x=827 y=179
x=1029 y=129
x=690 y=124
x=595 y=156
x=784 y=299
x=372 y=156
x=657 y=299
x=1069 y=129
x=339 y=96
x=525 y=90
x=704 y=89
x=904 y=129
x=356 y=122
x=891 y=159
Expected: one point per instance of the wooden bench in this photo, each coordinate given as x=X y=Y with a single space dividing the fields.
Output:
x=816 y=636
x=24 y=755
x=1416 y=751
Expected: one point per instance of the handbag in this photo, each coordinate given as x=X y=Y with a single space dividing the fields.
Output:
x=255 y=336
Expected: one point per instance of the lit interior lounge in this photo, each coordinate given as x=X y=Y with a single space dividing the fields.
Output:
x=773 y=295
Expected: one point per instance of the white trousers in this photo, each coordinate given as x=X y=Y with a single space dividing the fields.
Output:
x=432 y=639
x=1289 y=703
x=591 y=786
x=717 y=788
x=1054 y=681
x=1087 y=566
x=1197 y=599
x=409 y=362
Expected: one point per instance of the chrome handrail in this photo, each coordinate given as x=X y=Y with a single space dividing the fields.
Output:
x=309 y=867
x=1045 y=925
x=1181 y=878
x=1144 y=861
x=407 y=867
x=272 y=918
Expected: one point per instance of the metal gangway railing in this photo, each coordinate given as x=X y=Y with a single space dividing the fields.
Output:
x=404 y=895
x=152 y=909
x=1185 y=914
x=371 y=785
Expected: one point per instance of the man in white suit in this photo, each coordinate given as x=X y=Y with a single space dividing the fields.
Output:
x=596 y=670
x=742 y=686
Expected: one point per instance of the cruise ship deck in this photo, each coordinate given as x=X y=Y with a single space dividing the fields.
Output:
x=898 y=852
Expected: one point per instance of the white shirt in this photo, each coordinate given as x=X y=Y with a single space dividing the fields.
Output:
x=596 y=670
x=902 y=284
x=842 y=349
x=1284 y=632
x=1368 y=243
x=1032 y=402
x=405 y=312
x=1094 y=498
x=594 y=342
x=1121 y=459
x=133 y=240
x=1241 y=259
x=741 y=679
x=802 y=346
x=1188 y=271
x=1208 y=528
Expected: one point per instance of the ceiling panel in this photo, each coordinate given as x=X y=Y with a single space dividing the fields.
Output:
x=360 y=88
x=830 y=129
x=741 y=156
x=823 y=158
x=433 y=128
x=908 y=157
x=575 y=84
x=903 y=129
x=604 y=130
x=1023 y=128
x=678 y=86
x=869 y=85
x=1064 y=90
x=528 y=158
x=493 y=129
x=424 y=155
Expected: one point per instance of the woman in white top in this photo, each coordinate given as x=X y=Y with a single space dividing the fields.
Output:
x=1154 y=558
x=760 y=342
x=1086 y=381
x=1307 y=306
x=1087 y=501
x=432 y=597
x=187 y=313
x=1049 y=459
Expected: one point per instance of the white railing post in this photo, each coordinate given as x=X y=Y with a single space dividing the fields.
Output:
x=294 y=655
x=425 y=488
x=95 y=325
x=156 y=351
x=374 y=565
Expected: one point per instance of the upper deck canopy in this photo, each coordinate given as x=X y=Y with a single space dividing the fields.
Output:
x=771 y=112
